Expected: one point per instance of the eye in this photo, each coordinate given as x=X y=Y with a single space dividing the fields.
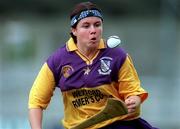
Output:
x=97 y=24
x=85 y=25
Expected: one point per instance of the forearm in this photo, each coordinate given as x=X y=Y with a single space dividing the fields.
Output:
x=35 y=118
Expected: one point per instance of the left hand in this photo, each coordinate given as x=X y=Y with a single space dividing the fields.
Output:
x=132 y=102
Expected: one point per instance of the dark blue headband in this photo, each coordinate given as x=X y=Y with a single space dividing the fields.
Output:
x=84 y=14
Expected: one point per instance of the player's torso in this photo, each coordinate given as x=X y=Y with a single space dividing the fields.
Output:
x=75 y=72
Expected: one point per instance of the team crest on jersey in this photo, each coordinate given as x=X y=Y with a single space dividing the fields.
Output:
x=67 y=70
x=105 y=66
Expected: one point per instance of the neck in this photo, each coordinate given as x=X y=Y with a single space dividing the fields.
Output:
x=89 y=53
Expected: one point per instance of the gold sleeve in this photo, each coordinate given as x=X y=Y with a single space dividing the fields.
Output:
x=42 y=89
x=129 y=83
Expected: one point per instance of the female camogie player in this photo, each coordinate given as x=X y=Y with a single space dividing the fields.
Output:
x=88 y=73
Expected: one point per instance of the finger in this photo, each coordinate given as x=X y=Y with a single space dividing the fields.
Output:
x=131 y=110
x=129 y=102
x=131 y=106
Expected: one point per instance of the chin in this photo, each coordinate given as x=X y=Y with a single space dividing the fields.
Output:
x=94 y=45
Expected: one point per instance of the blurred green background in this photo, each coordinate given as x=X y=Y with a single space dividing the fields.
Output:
x=30 y=30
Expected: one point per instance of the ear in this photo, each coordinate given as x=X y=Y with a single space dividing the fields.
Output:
x=73 y=30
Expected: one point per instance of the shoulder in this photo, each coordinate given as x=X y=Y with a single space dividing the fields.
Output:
x=117 y=52
x=58 y=52
x=54 y=59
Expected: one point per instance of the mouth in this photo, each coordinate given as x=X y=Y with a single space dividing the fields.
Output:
x=93 y=40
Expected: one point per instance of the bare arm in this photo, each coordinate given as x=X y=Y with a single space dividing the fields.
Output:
x=40 y=96
x=35 y=118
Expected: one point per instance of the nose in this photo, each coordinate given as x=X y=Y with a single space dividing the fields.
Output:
x=92 y=30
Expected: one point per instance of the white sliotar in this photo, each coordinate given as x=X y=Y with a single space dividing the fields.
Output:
x=113 y=41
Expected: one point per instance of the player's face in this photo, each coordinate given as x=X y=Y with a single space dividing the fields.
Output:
x=88 y=32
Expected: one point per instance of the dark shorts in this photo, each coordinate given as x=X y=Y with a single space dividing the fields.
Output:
x=133 y=124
